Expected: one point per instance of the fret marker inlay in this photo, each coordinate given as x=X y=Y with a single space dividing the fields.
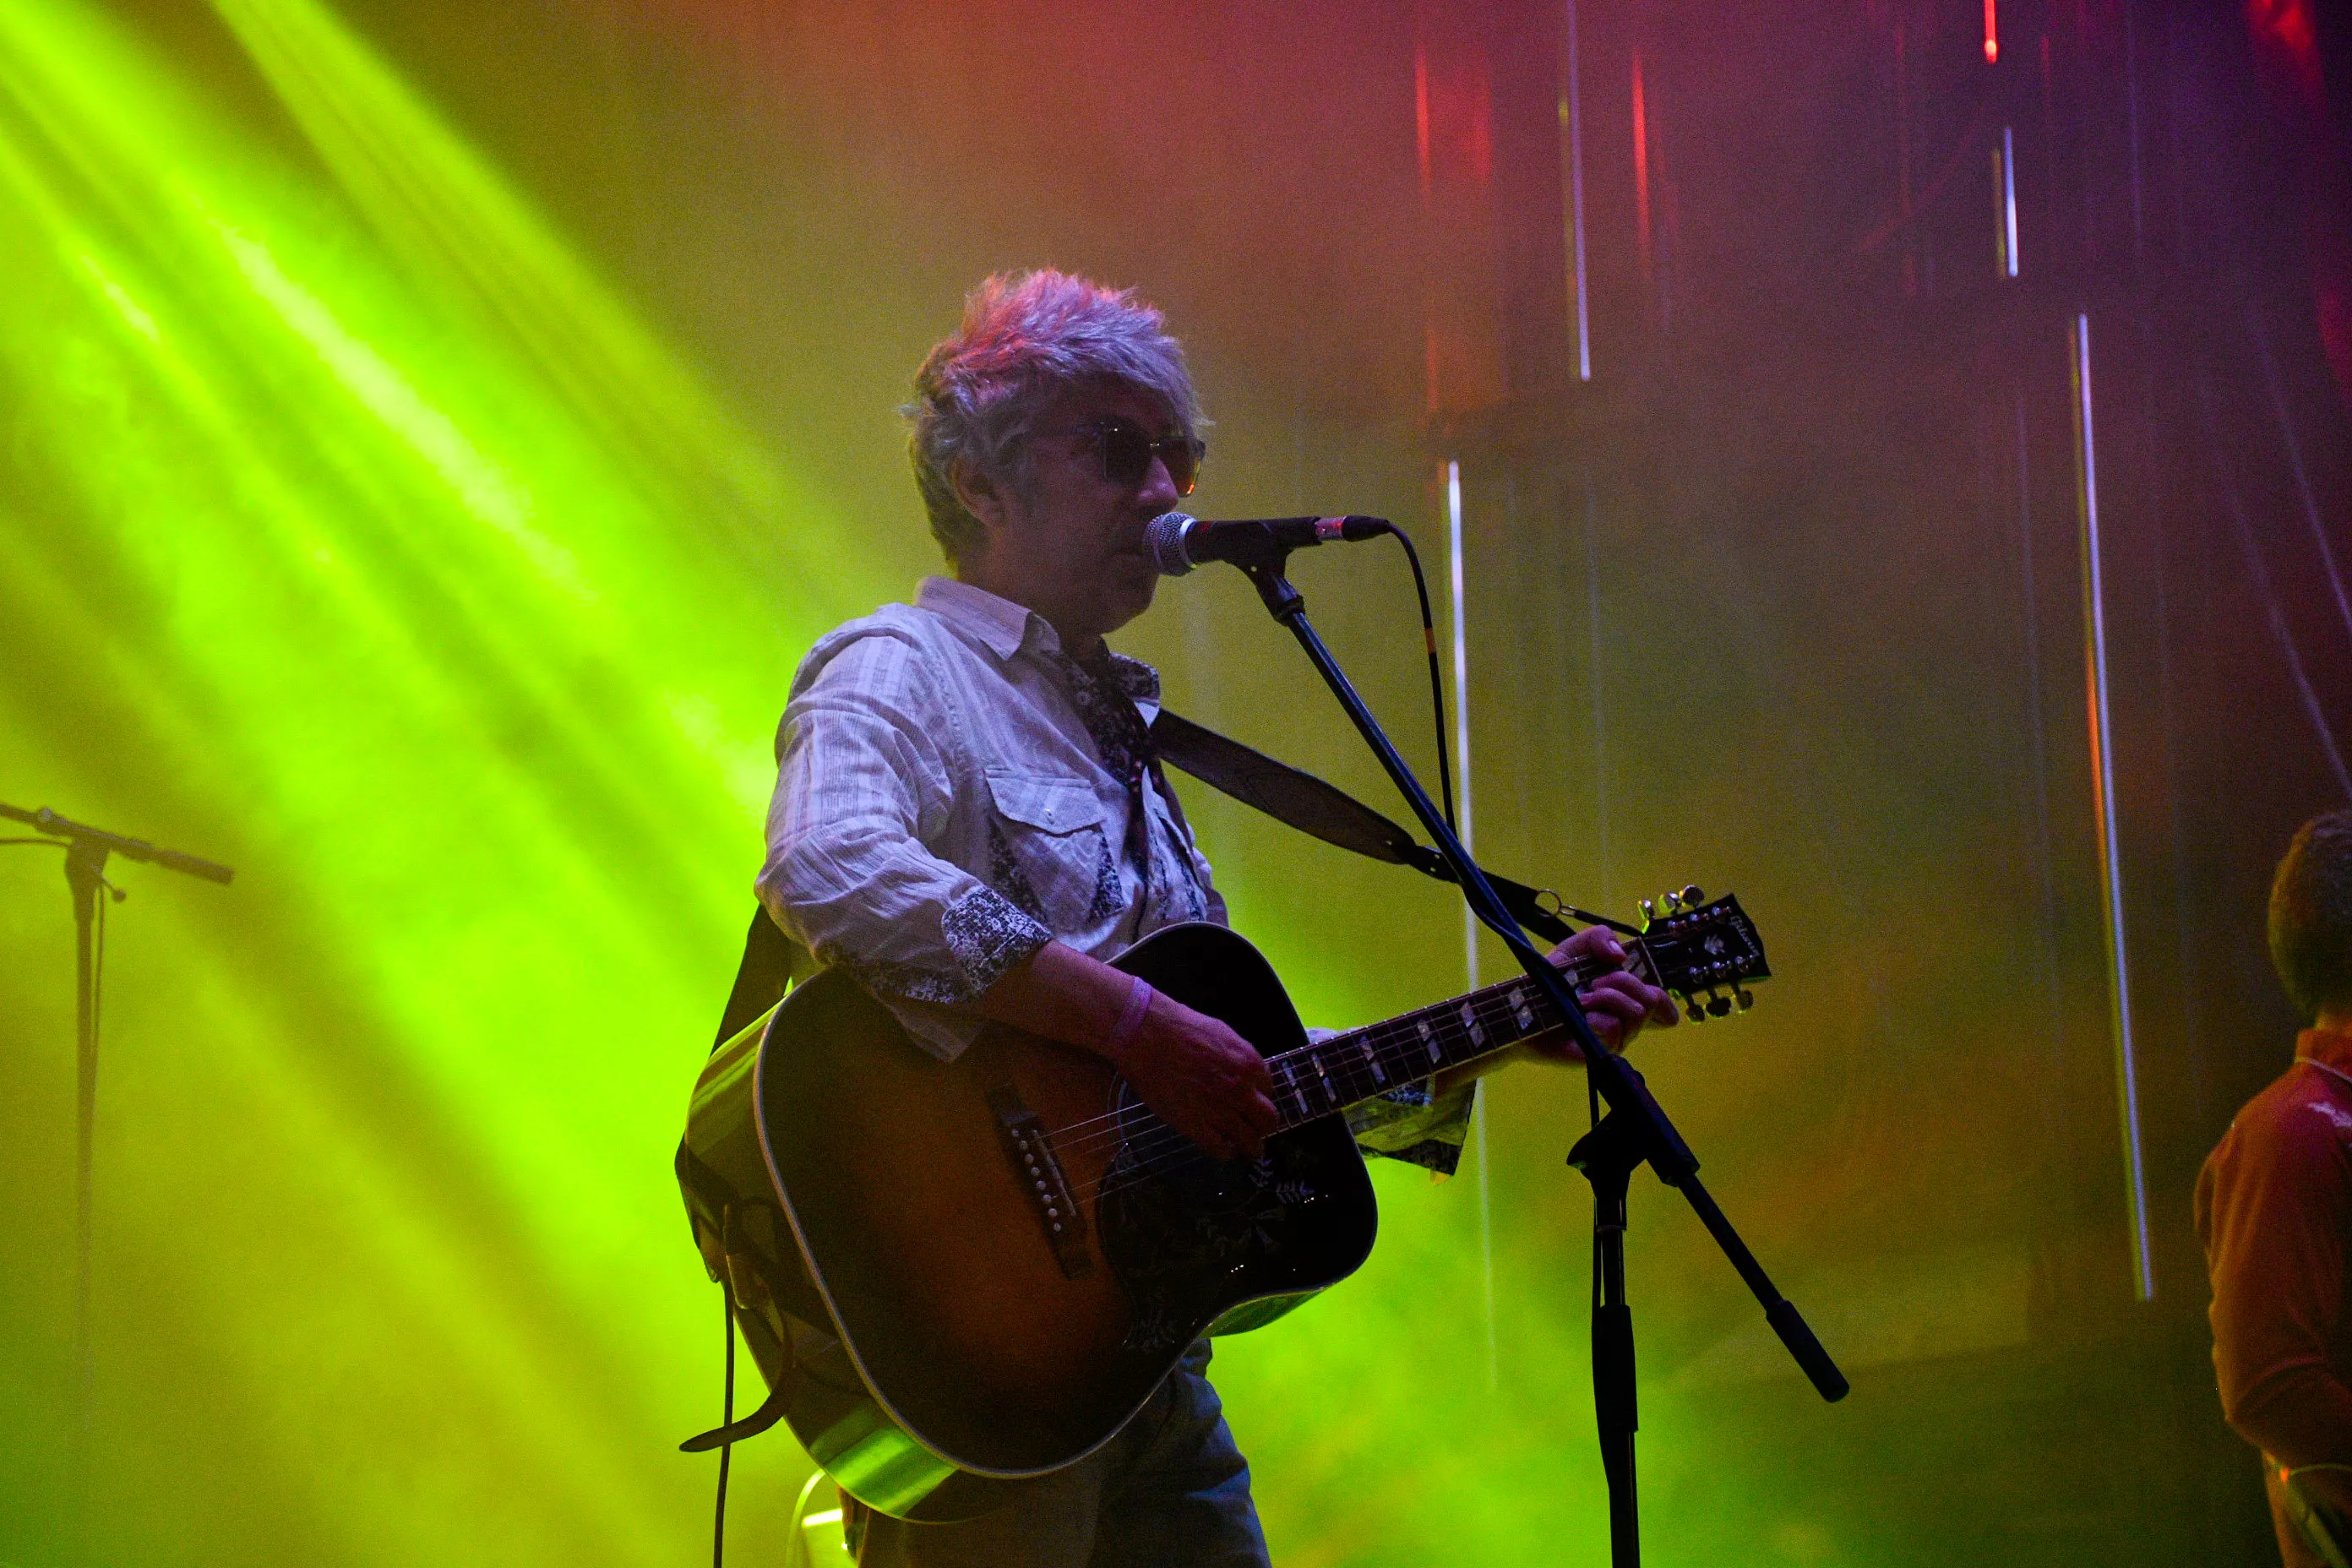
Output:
x=1372 y=1062
x=1519 y=1009
x=1470 y=1021
x=1428 y=1039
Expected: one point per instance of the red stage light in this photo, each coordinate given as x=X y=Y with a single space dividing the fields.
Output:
x=1641 y=165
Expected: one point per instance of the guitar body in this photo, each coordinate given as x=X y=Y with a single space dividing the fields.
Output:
x=922 y=1198
x=957 y=1277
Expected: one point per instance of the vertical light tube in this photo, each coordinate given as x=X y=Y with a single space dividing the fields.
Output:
x=1461 y=703
x=1604 y=880
x=1571 y=115
x=2008 y=202
x=1992 y=32
x=1421 y=117
x=1641 y=166
x=1428 y=195
x=1469 y=921
x=2103 y=790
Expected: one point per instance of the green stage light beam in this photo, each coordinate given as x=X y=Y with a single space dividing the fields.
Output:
x=417 y=575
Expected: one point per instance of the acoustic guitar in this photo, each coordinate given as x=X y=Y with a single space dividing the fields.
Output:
x=959 y=1277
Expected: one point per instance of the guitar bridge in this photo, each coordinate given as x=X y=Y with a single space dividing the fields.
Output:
x=1059 y=1219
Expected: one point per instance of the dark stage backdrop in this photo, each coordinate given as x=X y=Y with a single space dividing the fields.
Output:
x=434 y=431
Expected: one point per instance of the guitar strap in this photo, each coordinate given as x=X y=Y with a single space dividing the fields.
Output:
x=1302 y=801
x=773 y=963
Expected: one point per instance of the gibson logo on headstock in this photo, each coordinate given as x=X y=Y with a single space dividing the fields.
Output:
x=1704 y=953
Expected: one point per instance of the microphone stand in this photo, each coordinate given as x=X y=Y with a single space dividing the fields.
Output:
x=87 y=849
x=1636 y=1130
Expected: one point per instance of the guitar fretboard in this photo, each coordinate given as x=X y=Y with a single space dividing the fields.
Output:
x=1327 y=1077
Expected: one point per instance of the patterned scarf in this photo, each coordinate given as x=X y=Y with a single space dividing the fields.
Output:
x=1105 y=689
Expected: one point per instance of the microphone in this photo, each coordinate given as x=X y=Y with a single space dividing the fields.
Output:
x=1180 y=542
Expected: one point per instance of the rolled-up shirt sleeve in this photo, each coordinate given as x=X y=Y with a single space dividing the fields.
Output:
x=863 y=781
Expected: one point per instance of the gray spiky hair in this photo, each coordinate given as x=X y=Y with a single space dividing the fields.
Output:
x=1025 y=338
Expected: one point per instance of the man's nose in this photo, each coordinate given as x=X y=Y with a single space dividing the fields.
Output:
x=1160 y=487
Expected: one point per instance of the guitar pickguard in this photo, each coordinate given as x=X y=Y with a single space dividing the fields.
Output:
x=1186 y=1234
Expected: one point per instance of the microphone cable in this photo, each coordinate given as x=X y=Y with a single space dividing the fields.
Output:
x=1436 y=683
x=1445 y=791
x=726 y=1419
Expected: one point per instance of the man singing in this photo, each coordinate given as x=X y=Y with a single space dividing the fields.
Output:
x=2274 y=1206
x=969 y=818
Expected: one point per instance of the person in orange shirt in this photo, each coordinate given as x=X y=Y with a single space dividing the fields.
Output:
x=2274 y=1209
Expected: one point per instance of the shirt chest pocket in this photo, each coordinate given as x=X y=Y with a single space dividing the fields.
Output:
x=1051 y=852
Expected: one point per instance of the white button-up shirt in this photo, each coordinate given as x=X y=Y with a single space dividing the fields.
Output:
x=941 y=811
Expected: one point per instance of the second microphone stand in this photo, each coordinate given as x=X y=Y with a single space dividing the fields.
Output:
x=87 y=849
x=1636 y=1130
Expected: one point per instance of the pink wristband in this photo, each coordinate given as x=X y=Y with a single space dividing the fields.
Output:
x=1131 y=1019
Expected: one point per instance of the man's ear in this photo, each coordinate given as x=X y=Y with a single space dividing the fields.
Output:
x=983 y=495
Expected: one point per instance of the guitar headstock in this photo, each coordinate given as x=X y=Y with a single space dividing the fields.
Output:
x=1704 y=953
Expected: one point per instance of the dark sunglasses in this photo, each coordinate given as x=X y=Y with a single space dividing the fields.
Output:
x=1127 y=449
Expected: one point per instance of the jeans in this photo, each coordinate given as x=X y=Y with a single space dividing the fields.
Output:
x=1170 y=1491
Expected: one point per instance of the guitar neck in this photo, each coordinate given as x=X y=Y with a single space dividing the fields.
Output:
x=1326 y=1077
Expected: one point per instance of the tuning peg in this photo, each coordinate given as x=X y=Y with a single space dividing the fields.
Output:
x=1692 y=897
x=1717 y=1007
x=1696 y=1014
x=1669 y=903
x=1745 y=998
x=1649 y=912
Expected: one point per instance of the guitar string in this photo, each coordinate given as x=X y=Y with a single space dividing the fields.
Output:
x=1156 y=1146
x=1577 y=974
x=1444 y=1014
x=1495 y=1012
x=1445 y=1017
x=1153 y=1146
x=1162 y=1137
x=1159 y=1141
x=1159 y=1147
x=1089 y=1136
